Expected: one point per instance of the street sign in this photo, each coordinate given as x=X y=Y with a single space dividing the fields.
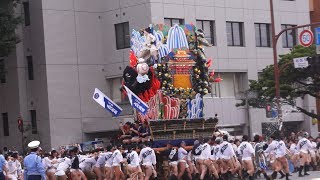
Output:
x=300 y=62
x=306 y=38
x=317 y=36
x=317 y=30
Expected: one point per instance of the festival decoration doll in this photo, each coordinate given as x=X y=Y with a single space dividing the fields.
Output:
x=150 y=49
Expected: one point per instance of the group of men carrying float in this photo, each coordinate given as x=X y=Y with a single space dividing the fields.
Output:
x=208 y=158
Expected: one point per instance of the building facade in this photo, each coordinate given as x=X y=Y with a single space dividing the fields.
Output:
x=315 y=17
x=70 y=47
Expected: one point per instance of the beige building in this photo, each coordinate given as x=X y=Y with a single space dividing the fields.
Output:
x=70 y=47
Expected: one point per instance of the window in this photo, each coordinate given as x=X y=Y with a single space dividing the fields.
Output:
x=26 y=13
x=231 y=86
x=263 y=35
x=235 y=33
x=208 y=29
x=33 y=115
x=30 y=67
x=122 y=35
x=5 y=121
x=114 y=85
x=3 y=78
x=173 y=21
x=289 y=38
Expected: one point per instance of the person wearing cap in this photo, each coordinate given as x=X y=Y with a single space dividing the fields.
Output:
x=246 y=151
x=303 y=146
x=33 y=167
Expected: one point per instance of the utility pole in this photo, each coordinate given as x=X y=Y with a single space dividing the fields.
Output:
x=275 y=38
x=275 y=60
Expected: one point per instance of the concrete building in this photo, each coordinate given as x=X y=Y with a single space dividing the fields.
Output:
x=70 y=47
x=315 y=17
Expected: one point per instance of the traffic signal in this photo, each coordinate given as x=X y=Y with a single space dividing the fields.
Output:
x=268 y=111
x=20 y=124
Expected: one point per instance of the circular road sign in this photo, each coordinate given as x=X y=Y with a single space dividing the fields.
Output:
x=306 y=38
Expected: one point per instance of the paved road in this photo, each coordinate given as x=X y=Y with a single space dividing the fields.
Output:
x=314 y=175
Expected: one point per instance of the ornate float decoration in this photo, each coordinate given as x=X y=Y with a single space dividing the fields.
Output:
x=169 y=71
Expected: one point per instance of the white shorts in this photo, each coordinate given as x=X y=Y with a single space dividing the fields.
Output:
x=173 y=163
x=182 y=160
x=312 y=153
x=12 y=177
x=132 y=166
x=304 y=151
x=108 y=165
x=226 y=157
x=246 y=158
x=52 y=170
x=60 y=173
x=147 y=164
x=116 y=164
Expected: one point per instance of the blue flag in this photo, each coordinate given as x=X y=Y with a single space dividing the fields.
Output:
x=106 y=102
x=136 y=102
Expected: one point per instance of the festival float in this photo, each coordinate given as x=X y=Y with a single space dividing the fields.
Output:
x=168 y=71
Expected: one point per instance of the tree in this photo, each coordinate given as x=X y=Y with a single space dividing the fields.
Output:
x=8 y=24
x=294 y=82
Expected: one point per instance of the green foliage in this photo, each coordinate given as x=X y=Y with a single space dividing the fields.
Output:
x=8 y=23
x=293 y=82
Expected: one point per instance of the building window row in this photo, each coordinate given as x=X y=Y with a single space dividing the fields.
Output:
x=234 y=30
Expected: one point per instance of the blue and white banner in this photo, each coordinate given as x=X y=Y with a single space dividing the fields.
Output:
x=106 y=102
x=136 y=102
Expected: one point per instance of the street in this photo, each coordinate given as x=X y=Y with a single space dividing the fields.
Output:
x=314 y=175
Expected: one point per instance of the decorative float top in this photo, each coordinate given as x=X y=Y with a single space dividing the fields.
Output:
x=169 y=71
